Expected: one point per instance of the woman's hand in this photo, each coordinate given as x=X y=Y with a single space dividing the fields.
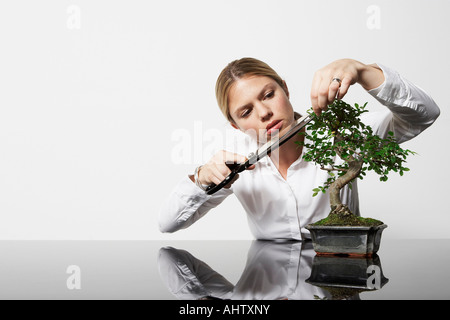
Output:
x=216 y=169
x=324 y=90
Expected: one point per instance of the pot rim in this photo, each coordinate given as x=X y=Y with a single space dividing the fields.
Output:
x=312 y=227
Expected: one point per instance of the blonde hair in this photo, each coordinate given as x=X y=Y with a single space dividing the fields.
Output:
x=236 y=70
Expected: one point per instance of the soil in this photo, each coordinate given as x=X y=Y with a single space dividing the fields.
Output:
x=342 y=216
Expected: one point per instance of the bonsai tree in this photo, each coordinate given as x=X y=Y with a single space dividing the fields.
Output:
x=338 y=131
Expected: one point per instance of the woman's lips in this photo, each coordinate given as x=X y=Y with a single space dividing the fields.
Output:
x=274 y=127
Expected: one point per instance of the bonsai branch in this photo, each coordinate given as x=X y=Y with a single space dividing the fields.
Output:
x=354 y=168
x=340 y=149
x=333 y=169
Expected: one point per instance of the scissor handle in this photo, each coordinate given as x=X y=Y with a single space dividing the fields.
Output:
x=235 y=169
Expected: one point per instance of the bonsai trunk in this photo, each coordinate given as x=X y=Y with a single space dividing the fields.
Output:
x=354 y=168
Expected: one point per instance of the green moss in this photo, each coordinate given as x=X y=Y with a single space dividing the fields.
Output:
x=347 y=220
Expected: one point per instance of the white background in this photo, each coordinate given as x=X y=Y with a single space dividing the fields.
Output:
x=93 y=92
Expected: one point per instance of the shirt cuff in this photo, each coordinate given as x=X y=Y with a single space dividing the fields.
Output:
x=193 y=196
x=392 y=92
x=190 y=193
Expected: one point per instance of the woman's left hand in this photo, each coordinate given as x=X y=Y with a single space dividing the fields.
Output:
x=324 y=90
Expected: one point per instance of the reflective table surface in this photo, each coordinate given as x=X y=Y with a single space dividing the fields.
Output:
x=235 y=270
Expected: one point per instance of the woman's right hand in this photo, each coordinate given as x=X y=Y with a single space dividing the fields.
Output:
x=216 y=169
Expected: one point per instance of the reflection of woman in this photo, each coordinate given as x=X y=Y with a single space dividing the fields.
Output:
x=277 y=194
x=274 y=270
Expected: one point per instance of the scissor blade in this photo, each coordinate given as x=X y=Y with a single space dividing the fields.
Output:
x=277 y=141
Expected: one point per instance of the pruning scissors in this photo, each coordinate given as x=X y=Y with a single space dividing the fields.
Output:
x=264 y=150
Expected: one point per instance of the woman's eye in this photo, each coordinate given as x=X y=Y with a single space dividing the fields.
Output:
x=245 y=113
x=269 y=95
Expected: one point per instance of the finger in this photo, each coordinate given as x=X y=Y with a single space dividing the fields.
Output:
x=230 y=157
x=333 y=90
x=223 y=170
x=217 y=171
x=251 y=167
x=345 y=85
x=217 y=178
x=224 y=156
x=315 y=92
x=322 y=100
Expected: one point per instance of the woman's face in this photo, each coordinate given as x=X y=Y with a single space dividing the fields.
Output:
x=259 y=105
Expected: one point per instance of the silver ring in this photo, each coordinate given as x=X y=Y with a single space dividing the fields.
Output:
x=337 y=79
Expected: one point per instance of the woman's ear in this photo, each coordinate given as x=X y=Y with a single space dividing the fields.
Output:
x=285 y=88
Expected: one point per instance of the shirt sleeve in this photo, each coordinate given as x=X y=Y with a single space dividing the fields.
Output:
x=186 y=204
x=410 y=109
x=189 y=278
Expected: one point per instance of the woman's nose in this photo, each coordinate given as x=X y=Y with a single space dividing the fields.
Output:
x=265 y=112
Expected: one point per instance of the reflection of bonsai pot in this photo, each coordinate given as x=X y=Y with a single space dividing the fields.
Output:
x=346 y=276
x=346 y=240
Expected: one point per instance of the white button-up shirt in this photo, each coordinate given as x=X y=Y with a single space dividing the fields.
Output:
x=279 y=208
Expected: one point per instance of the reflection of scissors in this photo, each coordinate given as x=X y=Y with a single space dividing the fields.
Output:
x=253 y=157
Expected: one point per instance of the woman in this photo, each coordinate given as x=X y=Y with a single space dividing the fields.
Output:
x=277 y=193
